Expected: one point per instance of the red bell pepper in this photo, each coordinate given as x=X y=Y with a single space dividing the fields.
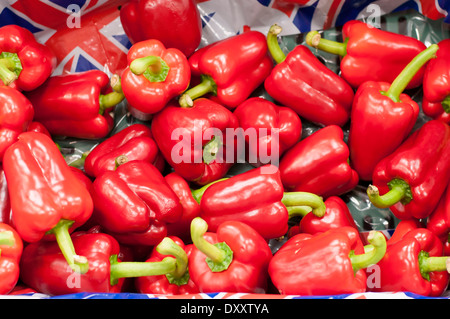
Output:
x=82 y=177
x=191 y=208
x=415 y=264
x=24 y=63
x=126 y=252
x=327 y=263
x=232 y=259
x=135 y=142
x=38 y=127
x=337 y=214
x=438 y=222
x=319 y=164
x=230 y=69
x=5 y=202
x=382 y=108
x=43 y=267
x=176 y=23
x=155 y=75
x=134 y=203
x=371 y=54
x=11 y=247
x=178 y=282
x=77 y=105
x=193 y=140
x=87 y=182
x=435 y=111
x=47 y=199
x=275 y=128
x=256 y=198
x=412 y=179
x=302 y=82
x=404 y=227
x=16 y=114
x=436 y=87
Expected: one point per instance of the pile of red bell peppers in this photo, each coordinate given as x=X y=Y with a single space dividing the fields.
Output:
x=154 y=207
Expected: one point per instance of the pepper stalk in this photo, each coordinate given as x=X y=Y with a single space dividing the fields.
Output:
x=429 y=264
x=180 y=276
x=78 y=263
x=139 y=269
x=10 y=67
x=218 y=256
x=6 y=239
x=207 y=85
x=301 y=203
x=403 y=79
x=314 y=39
x=373 y=252
x=272 y=44
x=198 y=193
x=113 y=98
x=152 y=67
x=174 y=268
x=446 y=104
x=399 y=191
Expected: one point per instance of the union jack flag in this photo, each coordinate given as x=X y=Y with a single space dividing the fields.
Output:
x=309 y=15
x=83 y=34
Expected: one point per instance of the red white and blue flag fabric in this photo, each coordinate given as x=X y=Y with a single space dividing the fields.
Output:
x=87 y=34
x=83 y=34
x=222 y=296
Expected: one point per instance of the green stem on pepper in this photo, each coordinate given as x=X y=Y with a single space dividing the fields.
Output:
x=402 y=80
x=152 y=67
x=373 y=252
x=113 y=98
x=6 y=238
x=207 y=85
x=428 y=264
x=180 y=276
x=211 y=149
x=197 y=194
x=6 y=75
x=10 y=67
x=139 y=269
x=272 y=44
x=78 y=263
x=446 y=104
x=298 y=199
x=314 y=40
x=399 y=191
x=298 y=211
x=218 y=256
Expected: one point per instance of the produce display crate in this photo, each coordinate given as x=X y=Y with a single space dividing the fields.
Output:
x=222 y=18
